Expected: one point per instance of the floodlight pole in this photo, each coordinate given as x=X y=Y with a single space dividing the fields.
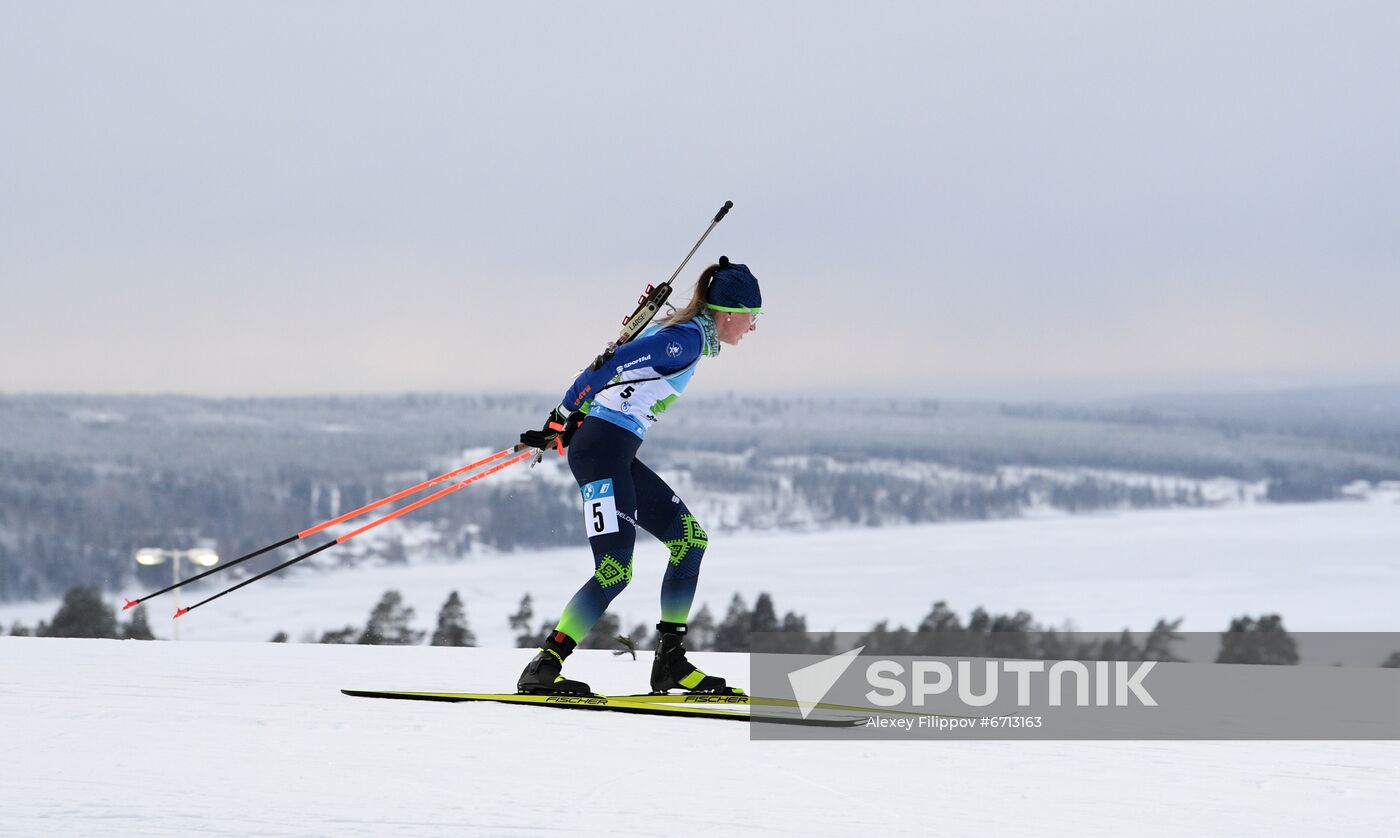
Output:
x=174 y=557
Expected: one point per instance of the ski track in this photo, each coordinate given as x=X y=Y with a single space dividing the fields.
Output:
x=131 y=738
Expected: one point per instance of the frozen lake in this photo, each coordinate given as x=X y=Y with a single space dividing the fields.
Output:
x=1324 y=567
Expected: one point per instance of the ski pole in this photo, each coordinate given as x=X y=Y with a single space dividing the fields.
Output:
x=441 y=493
x=131 y=603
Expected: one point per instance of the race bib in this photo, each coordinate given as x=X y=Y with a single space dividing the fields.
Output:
x=599 y=507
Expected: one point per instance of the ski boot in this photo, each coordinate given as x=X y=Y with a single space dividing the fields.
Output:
x=671 y=671
x=542 y=675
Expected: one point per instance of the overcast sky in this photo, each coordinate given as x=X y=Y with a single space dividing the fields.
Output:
x=939 y=198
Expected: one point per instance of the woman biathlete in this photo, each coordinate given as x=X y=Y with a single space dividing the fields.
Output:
x=602 y=422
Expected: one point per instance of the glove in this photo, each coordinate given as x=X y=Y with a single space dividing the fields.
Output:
x=571 y=427
x=549 y=434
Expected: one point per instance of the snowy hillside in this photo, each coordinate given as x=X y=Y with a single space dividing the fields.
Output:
x=85 y=481
x=120 y=738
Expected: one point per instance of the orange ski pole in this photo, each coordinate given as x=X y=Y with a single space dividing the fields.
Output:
x=131 y=603
x=441 y=493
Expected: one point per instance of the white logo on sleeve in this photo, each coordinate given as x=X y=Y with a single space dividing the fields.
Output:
x=673 y=350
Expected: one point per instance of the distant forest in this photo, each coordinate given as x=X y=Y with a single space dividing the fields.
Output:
x=942 y=632
x=87 y=480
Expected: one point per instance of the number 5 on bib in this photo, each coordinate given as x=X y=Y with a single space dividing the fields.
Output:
x=599 y=507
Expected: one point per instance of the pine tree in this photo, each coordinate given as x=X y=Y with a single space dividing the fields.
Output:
x=732 y=635
x=520 y=624
x=389 y=623
x=82 y=614
x=941 y=618
x=791 y=637
x=699 y=632
x=1159 y=643
x=604 y=633
x=279 y=637
x=1392 y=662
x=1121 y=648
x=1265 y=641
x=794 y=623
x=1052 y=647
x=643 y=637
x=17 y=630
x=765 y=616
x=452 y=629
x=883 y=640
x=349 y=634
x=138 y=628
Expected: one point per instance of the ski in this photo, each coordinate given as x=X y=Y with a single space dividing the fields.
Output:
x=704 y=706
x=760 y=701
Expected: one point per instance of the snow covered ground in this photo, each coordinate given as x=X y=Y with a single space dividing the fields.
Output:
x=235 y=738
x=119 y=738
x=1324 y=567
